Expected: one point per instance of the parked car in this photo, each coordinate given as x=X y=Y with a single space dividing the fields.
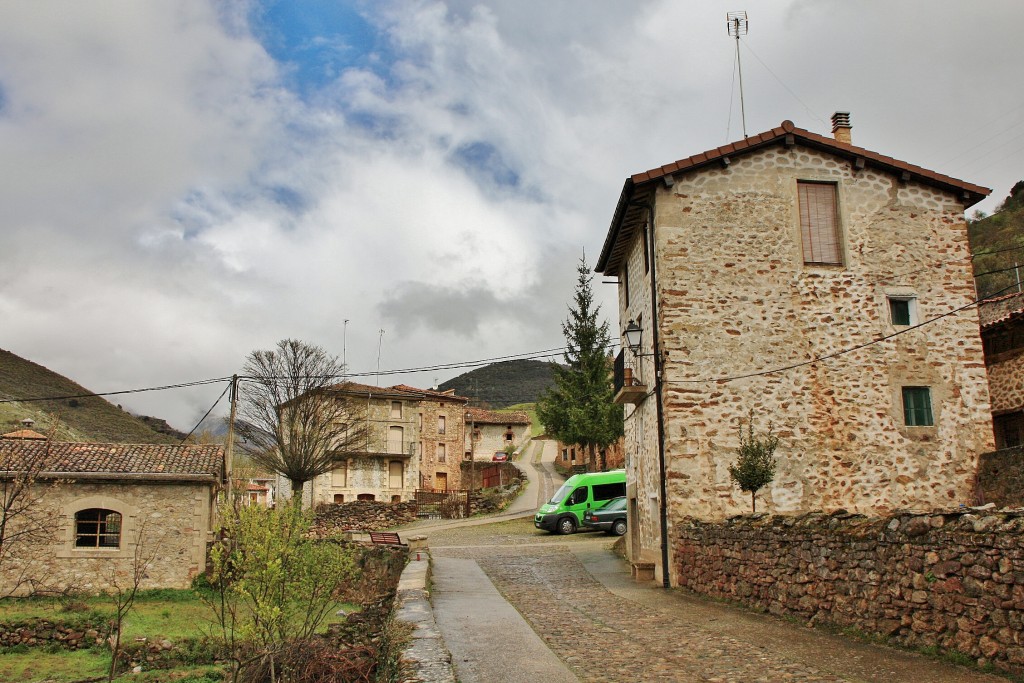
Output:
x=563 y=514
x=500 y=456
x=610 y=519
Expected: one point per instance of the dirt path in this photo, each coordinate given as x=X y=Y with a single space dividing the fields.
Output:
x=577 y=596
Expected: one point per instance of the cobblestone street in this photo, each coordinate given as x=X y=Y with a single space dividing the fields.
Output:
x=577 y=596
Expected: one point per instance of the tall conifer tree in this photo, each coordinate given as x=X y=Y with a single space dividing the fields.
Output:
x=579 y=408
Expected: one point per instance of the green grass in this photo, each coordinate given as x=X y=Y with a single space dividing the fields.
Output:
x=37 y=664
x=536 y=428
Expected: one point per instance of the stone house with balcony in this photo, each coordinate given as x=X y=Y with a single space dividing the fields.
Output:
x=1002 y=333
x=413 y=441
x=490 y=431
x=784 y=276
x=386 y=468
x=104 y=500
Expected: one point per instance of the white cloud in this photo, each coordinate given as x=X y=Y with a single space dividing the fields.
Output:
x=169 y=204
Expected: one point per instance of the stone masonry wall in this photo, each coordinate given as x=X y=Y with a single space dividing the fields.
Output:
x=953 y=580
x=735 y=298
x=429 y=447
x=172 y=522
x=1001 y=477
x=1006 y=382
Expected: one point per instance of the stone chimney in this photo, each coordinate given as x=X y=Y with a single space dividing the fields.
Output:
x=841 y=127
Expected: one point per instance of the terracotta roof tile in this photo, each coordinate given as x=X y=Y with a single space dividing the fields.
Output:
x=511 y=417
x=1000 y=309
x=23 y=434
x=113 y=459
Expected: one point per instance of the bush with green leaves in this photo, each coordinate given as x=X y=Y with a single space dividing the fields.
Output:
x=271 y=585
x=755 y=466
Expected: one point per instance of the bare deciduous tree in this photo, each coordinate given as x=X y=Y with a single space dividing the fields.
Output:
x=125 y=587
x=26 y=523
x=290 y=420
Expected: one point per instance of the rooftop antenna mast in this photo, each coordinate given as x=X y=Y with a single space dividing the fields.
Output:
x=737 y=25
x=380 y=338
x=344 y=349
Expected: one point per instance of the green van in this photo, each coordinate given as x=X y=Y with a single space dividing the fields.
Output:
x=580 y=492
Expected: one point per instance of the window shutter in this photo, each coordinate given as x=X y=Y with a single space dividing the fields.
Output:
x=819 y=226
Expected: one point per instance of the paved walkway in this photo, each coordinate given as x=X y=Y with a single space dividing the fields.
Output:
x=490 y=582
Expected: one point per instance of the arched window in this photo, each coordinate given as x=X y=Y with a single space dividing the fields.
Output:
x=97 y=528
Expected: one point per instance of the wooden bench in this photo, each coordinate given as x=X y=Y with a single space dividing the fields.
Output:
x=385 y=538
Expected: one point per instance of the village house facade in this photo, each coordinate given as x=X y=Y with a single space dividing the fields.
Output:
x=102 y=502
x=762 y=276
x=413 y=441
x=490 y=431
x=1002 y=333
x=441 y=418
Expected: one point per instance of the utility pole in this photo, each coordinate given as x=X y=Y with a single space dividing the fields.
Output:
x=229 y=444
x=380 y=339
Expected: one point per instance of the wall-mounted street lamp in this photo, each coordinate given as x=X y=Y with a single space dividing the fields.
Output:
x=634 y=335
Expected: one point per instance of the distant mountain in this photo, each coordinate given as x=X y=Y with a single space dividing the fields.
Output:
x=997 y=242
x=500 y=385
x=90 y=418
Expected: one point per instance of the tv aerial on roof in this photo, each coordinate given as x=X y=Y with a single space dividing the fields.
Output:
x=737 y=26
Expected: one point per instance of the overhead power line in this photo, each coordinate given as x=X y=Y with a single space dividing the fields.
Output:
x=165 y=387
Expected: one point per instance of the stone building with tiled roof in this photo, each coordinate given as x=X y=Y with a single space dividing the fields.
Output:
x=414 y=441
x=105 y=501
x=785 y=276
x=491 y=431
x=1002 y=333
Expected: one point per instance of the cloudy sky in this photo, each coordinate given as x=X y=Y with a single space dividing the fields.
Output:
x=183 y=182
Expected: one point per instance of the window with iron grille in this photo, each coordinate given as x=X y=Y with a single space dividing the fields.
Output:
x=97 y=528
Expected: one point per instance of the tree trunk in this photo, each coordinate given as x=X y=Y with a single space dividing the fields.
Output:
x=753 y=501
x=297 y=487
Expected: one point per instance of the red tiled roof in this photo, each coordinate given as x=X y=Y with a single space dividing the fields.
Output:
x=443 y=395
x=23 y=434
x=511 y=417
x=358 y=389
x=1000 y=309
x=969 y=193
x=113 y=460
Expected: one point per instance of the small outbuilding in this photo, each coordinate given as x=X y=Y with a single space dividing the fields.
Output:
x=94 y=508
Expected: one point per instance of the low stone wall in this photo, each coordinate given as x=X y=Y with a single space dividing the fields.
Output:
x=952 y=580
x=39 y=632
x=332 y=519
x=1001 y=477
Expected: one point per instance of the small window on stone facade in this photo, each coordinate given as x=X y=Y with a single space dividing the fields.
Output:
x=647 y=255
x=366 y=496
x=819 y=223
x=442 y=452
x=917 y=407
x=97 y=528
x=441 y=424
x=396 y=410
x=624 y=280
x=339 y=497
x=902 y=311
x=396 y=498
x=1009 y=430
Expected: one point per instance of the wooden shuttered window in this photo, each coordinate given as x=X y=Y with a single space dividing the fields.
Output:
x=819 y=223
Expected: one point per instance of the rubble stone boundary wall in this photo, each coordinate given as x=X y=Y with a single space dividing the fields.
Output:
x=952 y=580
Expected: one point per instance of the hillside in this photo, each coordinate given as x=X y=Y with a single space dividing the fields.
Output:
x=79 y=419
x=501 y=385
x=997 y=242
